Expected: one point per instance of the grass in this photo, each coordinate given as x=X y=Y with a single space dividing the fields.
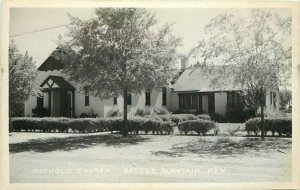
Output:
x=34 y=157
x=225 y=146
x=73 y=142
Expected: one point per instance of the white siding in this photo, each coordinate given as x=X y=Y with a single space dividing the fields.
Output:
x=174 y=98
x=220 y=103
x=29 y=105
x=205 y=104
x=95 y=105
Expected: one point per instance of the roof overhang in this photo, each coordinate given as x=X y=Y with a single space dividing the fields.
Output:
x=198 y=91
x=56 y=82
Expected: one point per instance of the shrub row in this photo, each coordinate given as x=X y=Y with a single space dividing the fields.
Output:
x=88 y=125
x=177 y=118
x=274 y=125
x=199 y=126
x=40 y=124
x=145 y=125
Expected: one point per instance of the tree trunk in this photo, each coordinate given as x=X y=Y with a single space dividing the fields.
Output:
x=262 y=120
x=125 y=128
x=125 y=92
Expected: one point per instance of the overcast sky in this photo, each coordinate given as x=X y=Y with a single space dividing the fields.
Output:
x=189 y=24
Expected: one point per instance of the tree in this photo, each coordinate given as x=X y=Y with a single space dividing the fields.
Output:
x=22 y=75
x=257 y=48
x=119 y=52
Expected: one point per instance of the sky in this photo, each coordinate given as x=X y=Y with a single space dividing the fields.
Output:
x=188 y=24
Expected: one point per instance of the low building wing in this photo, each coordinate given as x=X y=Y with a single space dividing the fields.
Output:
x=197 y=80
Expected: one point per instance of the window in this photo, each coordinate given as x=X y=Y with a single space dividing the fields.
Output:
x=188 y=101
x=271 y=98
x=40 y=102
x=274 y=100
x=235 y=100
x=129 y=99
x=211 y=103
x=115 y=100
x=148 y=98
x=164 y=96
x=229 y=99
x=86 y=96
x=194 y=101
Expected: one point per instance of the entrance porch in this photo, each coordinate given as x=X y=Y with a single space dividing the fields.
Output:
x=58 y=97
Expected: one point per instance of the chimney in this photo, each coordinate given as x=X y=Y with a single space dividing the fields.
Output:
x=184 y=62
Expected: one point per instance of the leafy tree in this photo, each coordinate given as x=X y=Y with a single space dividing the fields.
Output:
x=22 y=75
x=256 y=50
x=119 y=52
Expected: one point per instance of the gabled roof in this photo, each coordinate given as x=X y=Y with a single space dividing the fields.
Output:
x=196 y=80
x=56 y=82
x=52 y=62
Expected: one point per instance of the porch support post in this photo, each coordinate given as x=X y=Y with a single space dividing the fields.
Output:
x=49 y=102
x=73 y=103
x=200 y=103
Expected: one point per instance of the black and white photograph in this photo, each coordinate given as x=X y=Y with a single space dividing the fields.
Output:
x=150 y=94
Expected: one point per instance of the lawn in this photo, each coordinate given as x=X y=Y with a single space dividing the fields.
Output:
x=102 y=157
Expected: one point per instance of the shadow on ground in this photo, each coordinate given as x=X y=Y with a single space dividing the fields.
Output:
x=224 y=147
x=74 y=142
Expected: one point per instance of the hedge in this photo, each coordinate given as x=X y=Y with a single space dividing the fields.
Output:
x=176 y=118
x=199 y=126
x=145 y=125
x=89 y=125
x=42 y=124
x=274 y=125
x=204 y=117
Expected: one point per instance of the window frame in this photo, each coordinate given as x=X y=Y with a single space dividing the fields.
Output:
x=115 y=100
x=147 y=98
x=129 y=99
x=164 y=96
x=40 y=102
x=86 y=96
x=188 y=101
x=235 y=100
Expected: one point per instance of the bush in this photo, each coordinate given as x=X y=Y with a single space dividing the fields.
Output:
x=175 y=118
x=252 y=126
x=199 y=126
x=40 y=124
x=142 y=112
x=90 y=114
x=83 y=115
x=234 y=116
x=160 y=111
x=204 y=117
x=145 y=125
x=82 y=125
x=114 y=113
x=218 y=118
x=155 y=117
x=89 y=125
x=239 y=116
x=43 y=112
x=274 y=125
